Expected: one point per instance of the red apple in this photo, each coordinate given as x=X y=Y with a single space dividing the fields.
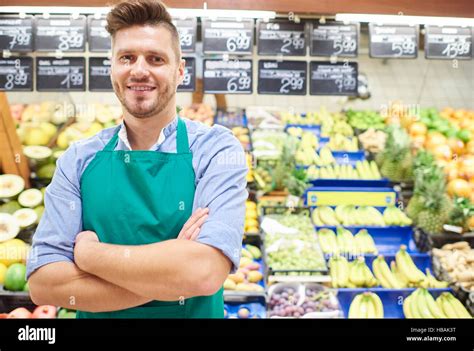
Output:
x=19 y=312
x=45 y=311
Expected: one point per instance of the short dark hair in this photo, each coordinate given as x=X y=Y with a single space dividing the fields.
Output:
x=129 y=13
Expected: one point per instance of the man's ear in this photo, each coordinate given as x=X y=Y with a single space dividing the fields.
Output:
x=181 y=70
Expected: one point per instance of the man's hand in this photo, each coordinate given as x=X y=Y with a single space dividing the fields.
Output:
x=83 y=240
x=193 y=225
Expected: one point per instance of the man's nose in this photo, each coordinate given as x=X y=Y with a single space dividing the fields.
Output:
x=140 y=68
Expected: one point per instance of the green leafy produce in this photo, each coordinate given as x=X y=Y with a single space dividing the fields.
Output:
x=365 y=119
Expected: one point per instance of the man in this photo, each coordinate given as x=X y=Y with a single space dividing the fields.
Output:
x=144 y=220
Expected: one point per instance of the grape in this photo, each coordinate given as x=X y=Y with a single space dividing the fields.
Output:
x=297 y=315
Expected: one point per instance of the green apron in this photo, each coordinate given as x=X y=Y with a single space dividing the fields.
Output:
x=144 y=197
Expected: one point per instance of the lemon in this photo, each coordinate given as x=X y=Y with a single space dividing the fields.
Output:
x=13 y=251
x=3 y=271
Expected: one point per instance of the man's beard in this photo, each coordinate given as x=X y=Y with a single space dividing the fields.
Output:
x=150 y=108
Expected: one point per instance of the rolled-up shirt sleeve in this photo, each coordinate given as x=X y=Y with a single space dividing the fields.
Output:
x=222 y=187
x=53 y=240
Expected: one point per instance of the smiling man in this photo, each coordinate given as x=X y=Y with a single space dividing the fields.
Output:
x=144 y=220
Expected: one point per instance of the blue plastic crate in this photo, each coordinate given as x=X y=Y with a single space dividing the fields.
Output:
x=257 y=310
x=352 y=183
x=388 y=239
x=346 y=157
x=392 y=299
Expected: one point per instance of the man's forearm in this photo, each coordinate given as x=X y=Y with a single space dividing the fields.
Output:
x=167 y=271
x=64 y=284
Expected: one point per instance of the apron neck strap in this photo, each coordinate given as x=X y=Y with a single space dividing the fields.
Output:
x=182 y=143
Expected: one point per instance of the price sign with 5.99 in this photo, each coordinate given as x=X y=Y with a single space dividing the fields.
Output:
x=281 y=38
x=16 y=74
x=66 y=74
x=393 y=41
x=448 y=42
x=334 y=39
x=282 y=77
x=63 y=34
x=227 y=77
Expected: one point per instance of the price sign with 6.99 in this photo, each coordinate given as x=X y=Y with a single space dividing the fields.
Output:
x=393 y=41
x=282 y=77
x=448 y=42
x=281 y=38
x=227 y=77
x=227 y=37
x=63 y=34
x=16 y=74
x=66 y=74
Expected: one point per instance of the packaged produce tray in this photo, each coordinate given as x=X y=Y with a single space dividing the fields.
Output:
x=333 y=196
x=426 y=242
x=231 y=118
x=387 y=239
x=392 y=299
x=255 y=310
x=9 y=300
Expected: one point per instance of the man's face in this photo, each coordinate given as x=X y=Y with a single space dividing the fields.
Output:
x=145 y=71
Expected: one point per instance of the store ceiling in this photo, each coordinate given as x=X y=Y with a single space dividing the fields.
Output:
x=454 y=8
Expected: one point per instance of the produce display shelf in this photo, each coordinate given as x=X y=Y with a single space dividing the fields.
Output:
x=299 y=279
x=387 y=239
x=350 y=183
x=333 y=196
x=10 y=300
x=392 y=299
x=256 y=309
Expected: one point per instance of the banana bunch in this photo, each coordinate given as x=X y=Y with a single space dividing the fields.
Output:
x=248 y=159
x=366 y=305
x=420 y=304
x=355 y=274
x=326 y=157
x=344 y=242
x=394 y=216
x=339 y=142
x=347 y=215
x=324 y=215
x=362 y=170
x=263 y=179
x=384 y=275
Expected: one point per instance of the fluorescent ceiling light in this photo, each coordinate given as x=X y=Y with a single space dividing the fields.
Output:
x=103 y=10
x=402 y=19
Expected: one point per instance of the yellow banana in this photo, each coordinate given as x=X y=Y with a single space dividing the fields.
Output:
x=406 y=266
x=343 y=272
x=356 y=274
x=354 y=308
x=458 y=306
x=435 y=283
x=398 y=276
x=407 y=307
x=378 y=272
x=379 y=313
x=333 y=272
x=447 y=308
x=432 y=306
x=370 y=305
x=422 y=304
x=414 y=305
x=364 y=307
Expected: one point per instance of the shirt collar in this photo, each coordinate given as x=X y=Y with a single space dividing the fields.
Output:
x=165 y=132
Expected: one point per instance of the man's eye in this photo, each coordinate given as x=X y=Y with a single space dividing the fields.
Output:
x=126 y=58
x=157 y=59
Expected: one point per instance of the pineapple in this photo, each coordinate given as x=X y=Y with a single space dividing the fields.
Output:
x=415 y=206
x=395 y=160
x=431 y=221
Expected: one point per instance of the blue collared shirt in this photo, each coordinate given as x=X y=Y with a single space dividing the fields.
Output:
x=220 y=169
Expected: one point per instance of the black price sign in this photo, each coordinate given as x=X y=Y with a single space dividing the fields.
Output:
x=448 y=42
x=187 y=29
x=16 y=74
x=393 y=41
x=281 y=38
x=333 y=78
x=189 y=81
x=66 y=74
x=63 y=34
x=227 y=37
x=282 y=77
x=334 y=39
x=227 y=77
x=99 y=74
x=16 y=34
x=99 y=38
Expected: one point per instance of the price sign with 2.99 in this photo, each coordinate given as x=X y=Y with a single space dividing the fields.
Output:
x=393 y=41
x=227 y=77
x=66 y=74
x=227 y=37
x=16 y=34
x=63 y=34
x=16 y=74
x=282 y=77
x=281 y=38
x=334 y=39
x=448 y=42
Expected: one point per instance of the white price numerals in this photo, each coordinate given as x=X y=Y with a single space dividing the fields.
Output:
x=347 y=82
x=187 y=79
x=456 y=49
x=288 y=84
x=70 y=41
x=13 y=80
x=238 y=43
x=73 y=79
x=297 y=43
x=238 y=84
x=20 y=38
x=186 y=39
x=406 y=47
x=344 y=45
